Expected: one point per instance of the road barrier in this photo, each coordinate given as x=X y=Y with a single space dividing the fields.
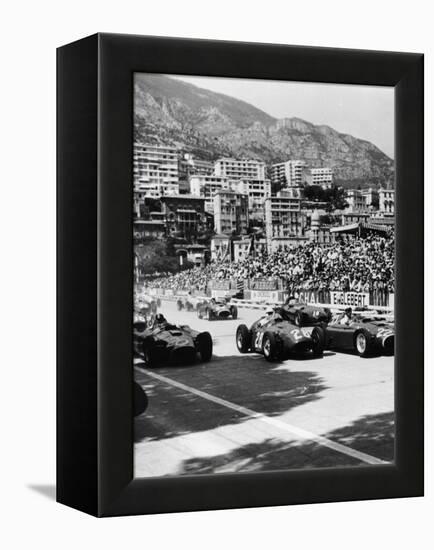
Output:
x=378 y=301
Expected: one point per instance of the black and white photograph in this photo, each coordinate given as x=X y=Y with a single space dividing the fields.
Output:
x=264 y=275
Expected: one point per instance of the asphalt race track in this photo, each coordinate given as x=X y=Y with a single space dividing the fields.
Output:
x=239 y=413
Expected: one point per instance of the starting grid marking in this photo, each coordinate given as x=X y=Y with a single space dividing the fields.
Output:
x=289 y=428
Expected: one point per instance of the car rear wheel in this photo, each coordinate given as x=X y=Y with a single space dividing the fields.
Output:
x=234 y=312
x=363 y=344
x=270 y=347
x=318 y=338
x=243 y=339
x=298 y=319
x=204 y=345
x=179 y=305
x=209 y=315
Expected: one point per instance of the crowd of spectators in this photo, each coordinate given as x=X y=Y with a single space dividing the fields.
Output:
x=361 y=264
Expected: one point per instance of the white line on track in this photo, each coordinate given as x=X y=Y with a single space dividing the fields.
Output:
x=294 y=430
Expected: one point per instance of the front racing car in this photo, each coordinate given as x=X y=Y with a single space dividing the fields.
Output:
x=276 y=337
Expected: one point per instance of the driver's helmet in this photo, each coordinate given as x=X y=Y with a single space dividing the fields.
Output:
x=348 y=311
x=292 y=300
x=269 y=311
x=160 y=319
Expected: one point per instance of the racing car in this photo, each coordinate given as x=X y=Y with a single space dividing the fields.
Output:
x=303 y=315
x=365 y=335
x=217 y=309
x=188 y=302
x=146 y=305
x=276 y=337
x=160 y=342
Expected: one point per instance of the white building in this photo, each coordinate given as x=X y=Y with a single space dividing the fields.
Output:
x=206 y=186
x=386 y=199
x=155 y=170
x=356 y=201
x=318 y=176
x=257 y=191
x=288 y=174
x=240 y=169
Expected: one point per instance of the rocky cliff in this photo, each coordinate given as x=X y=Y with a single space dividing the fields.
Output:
x=211 y=125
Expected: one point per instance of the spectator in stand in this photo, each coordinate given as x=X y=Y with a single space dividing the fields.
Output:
x=360 y=265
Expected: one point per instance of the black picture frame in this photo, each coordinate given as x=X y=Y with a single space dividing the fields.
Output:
x=95 y=281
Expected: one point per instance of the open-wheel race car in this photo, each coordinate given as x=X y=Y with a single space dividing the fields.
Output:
x=147 y=305
x=366 y=335
x=160 y=342
x=219 y=308
x=276 y=337
x=303 y=315
x=188 y=302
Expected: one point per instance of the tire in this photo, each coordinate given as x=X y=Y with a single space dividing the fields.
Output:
x=270 y=348
x=179 y=305
x=234 y=312
x=204 y=346
x=243 y=339
x=363 y=343
x=158 y=302
x=209 y=315
x=154 y=307
x=319 y=341
x=149 y=352
x=199 y=313
x=298 y=319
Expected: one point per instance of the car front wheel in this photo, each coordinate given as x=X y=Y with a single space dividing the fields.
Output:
x=363 y=344
x=243 y=339
x=270 y=348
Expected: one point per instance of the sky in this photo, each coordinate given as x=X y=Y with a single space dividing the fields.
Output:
x=365 y=112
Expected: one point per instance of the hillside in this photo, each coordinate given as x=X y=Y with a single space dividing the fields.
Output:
x=211 y=125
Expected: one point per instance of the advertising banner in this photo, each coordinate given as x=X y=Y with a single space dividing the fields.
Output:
x=353 y=299
x=219 y=293
x=220 y=285
x=266 y=295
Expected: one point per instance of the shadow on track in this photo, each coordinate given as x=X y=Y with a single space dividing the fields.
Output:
x=372 y=434
x=245 y=380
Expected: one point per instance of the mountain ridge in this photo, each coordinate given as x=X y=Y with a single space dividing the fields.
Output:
x=211 y=125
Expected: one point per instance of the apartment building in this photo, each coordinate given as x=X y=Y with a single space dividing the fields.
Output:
x=287 y=174
x=318 y=176
x=155 y=170
x=206 y=186
x=284 y=221
x=184 y=215
x=386 y=199
x=240 y=169
x=257 y=191
x=231 y=212
x=188 y=165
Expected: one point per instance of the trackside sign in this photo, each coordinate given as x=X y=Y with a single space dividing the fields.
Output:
x=355 y=299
